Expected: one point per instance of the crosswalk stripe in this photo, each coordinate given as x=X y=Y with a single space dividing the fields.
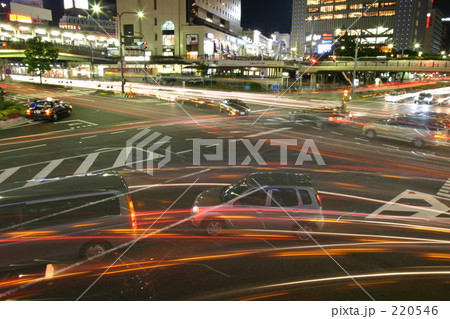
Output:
x=122 y=158
x=444 y=194
x=45 y=171
x=87 y=163
x=7 y=173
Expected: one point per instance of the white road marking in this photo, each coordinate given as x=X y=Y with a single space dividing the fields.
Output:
x=86 y=137
x=45 y=171
x=87 y=163
x=122 y=158
x=79 y=122
x=117 y=132
x=23 y=148
x=269 y=132
x=434 y=208
x=7 y=173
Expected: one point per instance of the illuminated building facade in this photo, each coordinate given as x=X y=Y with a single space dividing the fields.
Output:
x=206 y=29
x=316 y=23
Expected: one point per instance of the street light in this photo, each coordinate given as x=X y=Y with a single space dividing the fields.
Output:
x=140 y=14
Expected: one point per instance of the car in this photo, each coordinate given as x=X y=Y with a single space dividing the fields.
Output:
x=234 y=107
x=200 y=102
x=262 y=200
x=167 y=95
x=423 y=98
x=321 y=117
x=65 y=218
x=443 y=101
x=196 y=99
x=49 y=109
x=417 y=130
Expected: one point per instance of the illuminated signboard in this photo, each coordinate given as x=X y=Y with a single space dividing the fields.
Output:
x=80 y=4
x=327 y=38
x=20 y=18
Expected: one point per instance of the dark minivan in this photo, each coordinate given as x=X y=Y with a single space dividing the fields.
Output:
x=81 y=216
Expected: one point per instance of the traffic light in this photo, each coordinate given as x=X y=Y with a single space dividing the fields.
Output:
x=143 y=45
x=333 y=57
x=4 y=44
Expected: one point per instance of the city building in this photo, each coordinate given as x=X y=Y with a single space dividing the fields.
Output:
x=78 y=15
x=434 y=33
x=316 y=24
x=281 y=45
x=188 y=29
x=25 y=11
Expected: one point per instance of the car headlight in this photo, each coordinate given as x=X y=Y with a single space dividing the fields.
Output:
x=195 y=210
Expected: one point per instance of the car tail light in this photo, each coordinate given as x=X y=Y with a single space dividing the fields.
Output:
x=48 y=112
x=440 y=136
x=28 y=112
x=318 y=199
x=133 y=219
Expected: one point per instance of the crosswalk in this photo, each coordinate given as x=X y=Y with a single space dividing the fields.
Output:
x=445 y=190
x=79 y=164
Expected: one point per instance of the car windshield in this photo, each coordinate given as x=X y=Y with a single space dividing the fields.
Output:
x=235 y=190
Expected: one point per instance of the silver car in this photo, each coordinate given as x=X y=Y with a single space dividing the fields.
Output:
x=417 y=132
x=269 y=200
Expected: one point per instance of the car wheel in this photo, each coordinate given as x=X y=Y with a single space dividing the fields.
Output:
x=371 y=134
x=304 y=231
x=419 y=143
x=214 y=227
x=94 y=251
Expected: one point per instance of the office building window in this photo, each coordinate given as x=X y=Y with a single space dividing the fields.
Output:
x=387 y=13
x=326 y=9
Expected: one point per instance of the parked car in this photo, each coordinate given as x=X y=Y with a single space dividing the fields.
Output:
x=49 y=109
x=423 y=98
x=234 y=107
x=65 y=218
x=321 y=117
x=417 y=130
x=268 y=200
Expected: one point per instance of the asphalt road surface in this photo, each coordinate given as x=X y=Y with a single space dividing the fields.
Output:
x=368 y=250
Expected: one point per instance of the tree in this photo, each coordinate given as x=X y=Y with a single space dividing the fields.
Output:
x=345 y=45
x=202 y=68
x=39 y=55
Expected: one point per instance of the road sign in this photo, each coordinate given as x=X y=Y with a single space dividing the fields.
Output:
x=275 y=87
x=8 y=71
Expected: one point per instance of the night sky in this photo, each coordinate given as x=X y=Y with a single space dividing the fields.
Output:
x=266 y=16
